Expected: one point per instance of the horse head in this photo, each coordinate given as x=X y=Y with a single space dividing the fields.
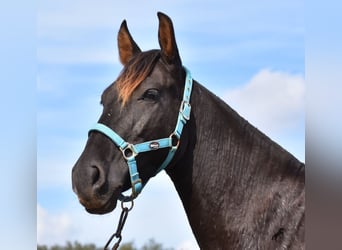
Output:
x=142 y=105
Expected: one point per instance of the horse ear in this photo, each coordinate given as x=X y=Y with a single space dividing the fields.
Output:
x=167 y=40
x=127 y=46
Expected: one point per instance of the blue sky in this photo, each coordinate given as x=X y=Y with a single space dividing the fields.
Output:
x=251 y=54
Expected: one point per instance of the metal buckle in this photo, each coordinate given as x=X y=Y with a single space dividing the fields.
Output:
x=134 y=192
x=185 y=109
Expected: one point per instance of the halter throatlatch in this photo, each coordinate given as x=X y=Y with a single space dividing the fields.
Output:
x=130 y=151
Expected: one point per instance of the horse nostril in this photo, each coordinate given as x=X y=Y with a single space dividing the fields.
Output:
x=95 y=175
x=98 y=180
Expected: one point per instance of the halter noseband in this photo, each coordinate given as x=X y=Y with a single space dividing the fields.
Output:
x=130 y=151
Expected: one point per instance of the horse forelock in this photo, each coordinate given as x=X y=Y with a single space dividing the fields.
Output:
x=134 y=73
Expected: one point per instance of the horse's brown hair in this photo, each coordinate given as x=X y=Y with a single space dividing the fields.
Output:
x=134 y=72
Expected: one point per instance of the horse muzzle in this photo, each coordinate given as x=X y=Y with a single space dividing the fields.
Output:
x=93 y=190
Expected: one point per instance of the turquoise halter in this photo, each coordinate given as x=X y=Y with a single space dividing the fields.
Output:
x=130 y=151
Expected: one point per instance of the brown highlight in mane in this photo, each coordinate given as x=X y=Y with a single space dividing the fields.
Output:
x=134 y=72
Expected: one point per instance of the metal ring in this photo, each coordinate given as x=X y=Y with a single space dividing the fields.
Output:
x=131 y=154
x=172 y=137
x=129 y=208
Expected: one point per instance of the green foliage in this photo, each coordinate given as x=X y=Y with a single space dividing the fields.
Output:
x=128 y=246
x=69 y=246
x=150 y=245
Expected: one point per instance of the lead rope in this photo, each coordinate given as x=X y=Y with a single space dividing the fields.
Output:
x=122 y=220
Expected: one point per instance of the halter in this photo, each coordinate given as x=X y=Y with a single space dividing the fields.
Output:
x=130 y=151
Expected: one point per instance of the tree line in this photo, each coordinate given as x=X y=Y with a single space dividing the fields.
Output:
x=150 y=245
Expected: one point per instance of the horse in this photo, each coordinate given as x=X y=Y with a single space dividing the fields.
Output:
x=239 y=189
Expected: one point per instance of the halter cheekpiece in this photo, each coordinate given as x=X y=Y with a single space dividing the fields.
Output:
x=130 y=151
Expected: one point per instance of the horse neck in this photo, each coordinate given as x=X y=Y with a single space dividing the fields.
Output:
x=229 y=171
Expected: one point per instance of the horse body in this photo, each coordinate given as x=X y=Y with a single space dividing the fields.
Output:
x=240 y=190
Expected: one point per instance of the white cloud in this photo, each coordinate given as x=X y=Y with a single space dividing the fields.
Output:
x=145 y=221
x=52 y=228
x=273 y=101
x=72 y=224
x=188 y=245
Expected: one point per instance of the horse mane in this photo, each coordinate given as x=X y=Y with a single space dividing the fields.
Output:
x=134 y=72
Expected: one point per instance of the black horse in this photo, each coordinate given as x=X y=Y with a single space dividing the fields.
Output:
x=240 y=190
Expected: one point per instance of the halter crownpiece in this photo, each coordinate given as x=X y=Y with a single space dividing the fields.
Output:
x=130 y=151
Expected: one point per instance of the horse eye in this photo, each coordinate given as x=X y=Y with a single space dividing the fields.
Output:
x=150 y=94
